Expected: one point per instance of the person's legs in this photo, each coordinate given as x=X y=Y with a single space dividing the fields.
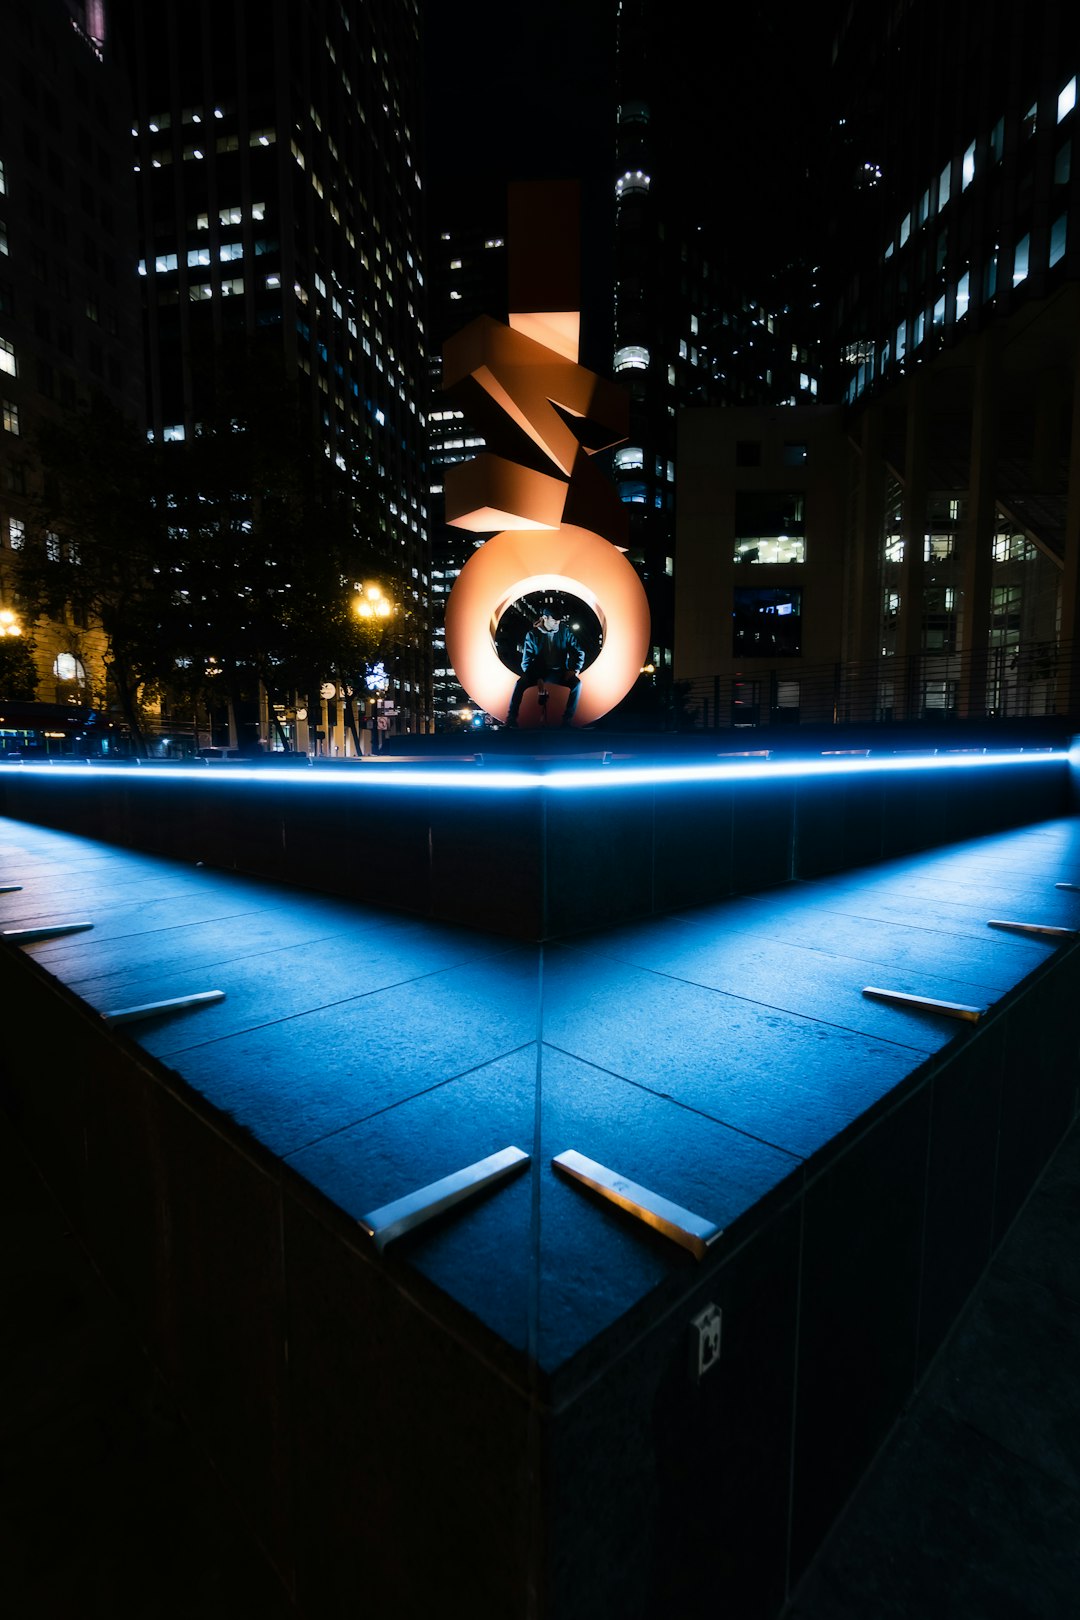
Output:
x=531 y=677
x=574 y=685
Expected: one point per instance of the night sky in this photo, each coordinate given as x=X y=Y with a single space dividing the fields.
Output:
x=519 y=93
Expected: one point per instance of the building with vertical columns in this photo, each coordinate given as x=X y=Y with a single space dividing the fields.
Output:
x=958 y=325
x=952 y=283
x=276 y=156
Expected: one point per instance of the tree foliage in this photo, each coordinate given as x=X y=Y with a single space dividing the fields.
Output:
x=214 y=564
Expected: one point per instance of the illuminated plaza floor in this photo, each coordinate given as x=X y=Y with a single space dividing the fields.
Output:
x=707 y=1056
x=715 y=1056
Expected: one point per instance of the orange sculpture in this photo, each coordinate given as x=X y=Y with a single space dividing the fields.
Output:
x=562 y=525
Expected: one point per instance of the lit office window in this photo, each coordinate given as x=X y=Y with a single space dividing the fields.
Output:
x=173 y=433
x=905 y=229
x=165 y=262
x=7 y=358
x=1058 y=231
x=771 y=548
x=939 y=311
x=16 y=533
x=944 y=185
x=3 y=179
x=997 y=140
x=198 y=256
x=990 y=279
x=1020 y=260
x=630 y=459
x=963 y=295
x=1067 y=99
x=3 y=237
x=968 y=171
x=231 y=250
x=11 y=417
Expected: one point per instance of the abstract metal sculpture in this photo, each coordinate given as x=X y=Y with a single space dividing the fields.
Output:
x=562 y=528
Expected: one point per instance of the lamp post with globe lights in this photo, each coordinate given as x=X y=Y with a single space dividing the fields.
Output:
x=374 y=610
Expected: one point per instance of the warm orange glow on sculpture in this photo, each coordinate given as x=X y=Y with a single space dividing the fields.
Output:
x=563 y=528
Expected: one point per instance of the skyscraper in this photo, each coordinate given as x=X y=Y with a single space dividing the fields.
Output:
x=276 y=156
x=68 y=306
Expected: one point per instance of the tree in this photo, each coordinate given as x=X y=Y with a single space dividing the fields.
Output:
x=269 y=537
x=18 y=672
x=215 y=564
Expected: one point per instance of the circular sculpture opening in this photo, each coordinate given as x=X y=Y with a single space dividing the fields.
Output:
x=524 y=564
x=518 y=617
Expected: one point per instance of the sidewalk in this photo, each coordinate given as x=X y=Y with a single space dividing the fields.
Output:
x=972 y=1512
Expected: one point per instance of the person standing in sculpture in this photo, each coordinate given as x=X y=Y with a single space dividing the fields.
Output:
x=551 y=654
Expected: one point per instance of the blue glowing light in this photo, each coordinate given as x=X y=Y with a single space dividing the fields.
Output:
x=601 y=777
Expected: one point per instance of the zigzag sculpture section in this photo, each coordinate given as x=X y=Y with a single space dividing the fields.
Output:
x=561 y=526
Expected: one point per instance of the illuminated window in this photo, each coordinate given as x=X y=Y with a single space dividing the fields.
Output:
x=1058 y=231
x=16 y=533
x=262 y=137
x=767 y=623
x=1067 y=99
x=165 y=262
x=990 y=278
x=997 y=140
x=173 y=433
x=3 y=179
x=967 y=174
x=944 y=184
x=7 y=358
x=780 y=548
x=963 y=295
x=1020 y=260
x=905 y=229
x=231 y=250
x=52 y=545
x=197 y=256
x=631 y=458
x=3 y=237
x=66 y=667
x=11 y=417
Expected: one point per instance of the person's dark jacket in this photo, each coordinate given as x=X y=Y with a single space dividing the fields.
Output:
x=559 y=651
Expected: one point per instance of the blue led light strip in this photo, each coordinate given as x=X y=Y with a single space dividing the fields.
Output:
x=602 y=778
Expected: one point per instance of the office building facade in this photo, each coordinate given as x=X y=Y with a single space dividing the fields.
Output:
x=276 y=157
x=69 y=318
x=950 y=279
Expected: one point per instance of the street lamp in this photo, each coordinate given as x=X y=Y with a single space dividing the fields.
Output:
x=9 y=624
x=373 y=604
x=374 y=609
